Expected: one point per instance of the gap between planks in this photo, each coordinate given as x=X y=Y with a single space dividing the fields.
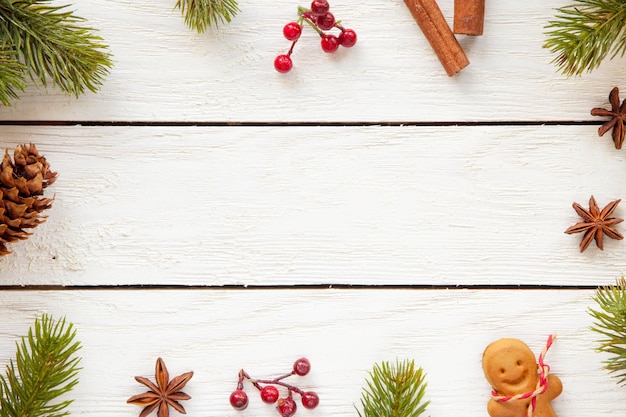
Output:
x=363 y=287
x=166 y=123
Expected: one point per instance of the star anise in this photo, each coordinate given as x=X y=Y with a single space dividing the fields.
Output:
x=596 y=223
x=618 y=118
x=163 y=395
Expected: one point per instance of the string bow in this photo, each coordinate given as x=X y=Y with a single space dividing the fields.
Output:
x=542 y=383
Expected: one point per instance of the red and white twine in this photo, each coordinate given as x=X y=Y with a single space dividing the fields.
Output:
x=542 y=383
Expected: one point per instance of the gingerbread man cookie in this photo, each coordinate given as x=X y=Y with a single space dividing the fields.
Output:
x=520 y=386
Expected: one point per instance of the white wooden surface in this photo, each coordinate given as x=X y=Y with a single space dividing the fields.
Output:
x=342 y=332
x=319 y=205
x=164 y=72
x=191 y=170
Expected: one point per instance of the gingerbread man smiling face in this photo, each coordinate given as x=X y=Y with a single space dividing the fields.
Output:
x=511 y=369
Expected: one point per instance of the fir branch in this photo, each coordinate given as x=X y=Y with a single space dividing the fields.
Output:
x=585 y=33
x=49 y=41
x=394 y=391
x=11 y=76
x=44 y=368
x=202 y=13
x=611 y=324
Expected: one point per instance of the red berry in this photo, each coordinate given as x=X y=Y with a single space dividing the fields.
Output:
x=301 y=367
x=319 y=7
x=330 y=43
x=310 y=400
x=239 y=399
x=347 y=38
x=292 y=31
x=283 y=63
x=325 y=21
x=269 y=394
x=286 y=407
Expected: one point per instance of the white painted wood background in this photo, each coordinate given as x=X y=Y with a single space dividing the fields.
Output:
x=206 y=204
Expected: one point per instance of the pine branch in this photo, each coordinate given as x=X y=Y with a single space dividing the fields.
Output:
x=394 y=391
x=585 y=33
x=611 y=324
x=202 y=13
x=44 y=368
x=51 y=44
x=11 y=76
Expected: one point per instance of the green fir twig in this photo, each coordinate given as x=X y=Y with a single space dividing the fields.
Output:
x=11 y=75
x=202 y=13
x=610 y=322
x=45 y=368
x=51 y=44
x=394 y=391
x=585 y=33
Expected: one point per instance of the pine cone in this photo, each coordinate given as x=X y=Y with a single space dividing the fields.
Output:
x=22 y=181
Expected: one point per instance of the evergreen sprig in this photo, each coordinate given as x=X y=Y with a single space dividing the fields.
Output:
x=394 y=391
x=585 y=33
x=611 y=324
x=50 y=43
x=45 y=368
x=11 y=75
x=202 y=13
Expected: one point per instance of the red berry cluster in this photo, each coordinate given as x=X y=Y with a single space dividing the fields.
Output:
x=321 y=19
x=286 y=406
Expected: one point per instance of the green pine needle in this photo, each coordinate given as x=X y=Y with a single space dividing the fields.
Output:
x=202 y=13
x=611 y=324
x=394 y=391
x=45 y=368
x=51 y=44
x=11 y=76
x=585 y=33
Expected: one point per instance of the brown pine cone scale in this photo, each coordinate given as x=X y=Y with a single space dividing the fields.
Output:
x=22 y=182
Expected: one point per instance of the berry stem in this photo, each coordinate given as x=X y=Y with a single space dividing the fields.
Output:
x=291 y=49
x=275 y=381
x=242 y=375
x=305 y=16
x=284 y=376
x=255 y=383
x=289 y=387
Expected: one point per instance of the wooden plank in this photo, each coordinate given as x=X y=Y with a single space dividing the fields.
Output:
x=165 y=72
x=342 y=332
x=319 y=205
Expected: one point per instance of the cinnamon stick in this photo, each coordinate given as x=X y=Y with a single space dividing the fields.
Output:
x=429 y=18
x=469 y=17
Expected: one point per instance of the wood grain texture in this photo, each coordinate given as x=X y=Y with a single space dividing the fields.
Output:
x=319 y=205
x=165 y=72
x=343 y=333
x=199 y=207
